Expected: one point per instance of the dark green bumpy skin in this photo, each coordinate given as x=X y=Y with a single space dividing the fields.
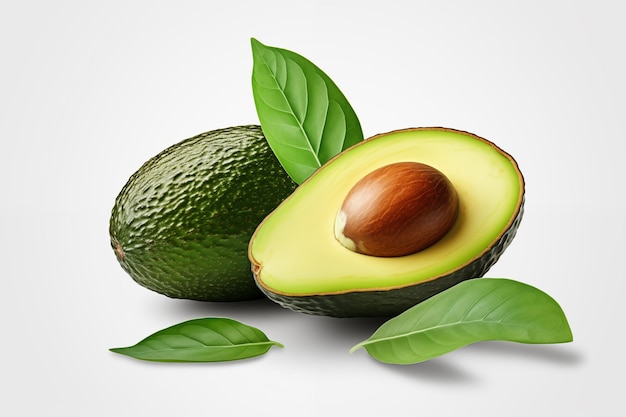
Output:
x=182 y=223
x=392 y=302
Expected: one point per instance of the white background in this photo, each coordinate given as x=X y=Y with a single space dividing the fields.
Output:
x=90 y=90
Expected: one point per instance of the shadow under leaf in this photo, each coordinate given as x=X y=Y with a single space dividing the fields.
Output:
x=440 y=369
x=436 y=370
x=553 y=353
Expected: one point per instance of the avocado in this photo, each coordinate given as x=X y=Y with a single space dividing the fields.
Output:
x=181 y=224
x=299 y=262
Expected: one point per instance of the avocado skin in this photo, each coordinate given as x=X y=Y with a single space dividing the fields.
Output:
x=389 y=303
x=181 y=224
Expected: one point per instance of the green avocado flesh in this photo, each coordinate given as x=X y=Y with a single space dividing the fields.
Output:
x=298 y=262
x=181 y=224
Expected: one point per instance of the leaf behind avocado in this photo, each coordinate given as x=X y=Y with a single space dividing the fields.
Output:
x=305 y=117
x=210 y=339
x=472 y=311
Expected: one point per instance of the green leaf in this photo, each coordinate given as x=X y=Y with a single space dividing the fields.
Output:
x=201 y=340
x=472 y=311
x=305 y=117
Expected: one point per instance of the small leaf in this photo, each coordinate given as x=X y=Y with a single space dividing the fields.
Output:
x=201 y=340
x=472 y=311
x=305 y=117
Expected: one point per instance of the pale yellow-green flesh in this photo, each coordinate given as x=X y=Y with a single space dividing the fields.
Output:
x=295 y=246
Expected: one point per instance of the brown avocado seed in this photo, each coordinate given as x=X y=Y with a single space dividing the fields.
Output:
x=397 y=210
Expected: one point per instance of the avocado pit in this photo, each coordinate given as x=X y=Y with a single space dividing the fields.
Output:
x=396 y=210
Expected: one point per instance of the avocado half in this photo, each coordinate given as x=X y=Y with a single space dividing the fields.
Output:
x=298 y=263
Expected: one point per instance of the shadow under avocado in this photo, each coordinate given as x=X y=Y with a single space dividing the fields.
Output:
x=261 y=307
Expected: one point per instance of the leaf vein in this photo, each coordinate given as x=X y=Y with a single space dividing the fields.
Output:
x=291 y=109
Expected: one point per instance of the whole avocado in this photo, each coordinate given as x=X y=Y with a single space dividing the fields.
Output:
x=181 y=224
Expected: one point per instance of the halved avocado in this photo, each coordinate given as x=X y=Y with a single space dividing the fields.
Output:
x=298 y=262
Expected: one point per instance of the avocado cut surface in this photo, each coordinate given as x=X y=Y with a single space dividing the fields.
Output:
x=181 y=224
x=298 y=262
